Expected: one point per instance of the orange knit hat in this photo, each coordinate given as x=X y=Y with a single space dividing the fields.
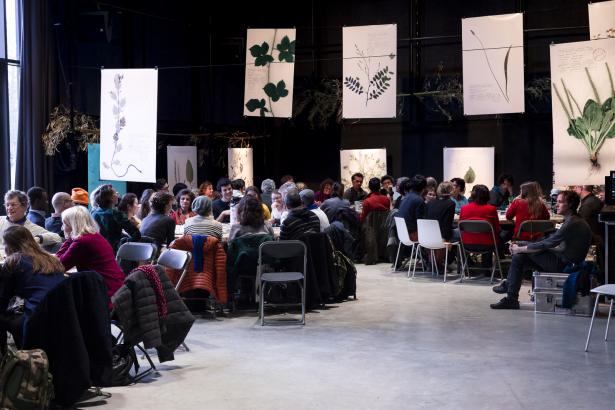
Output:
x=80 y=196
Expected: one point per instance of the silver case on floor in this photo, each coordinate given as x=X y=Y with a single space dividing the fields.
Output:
x=546 y=280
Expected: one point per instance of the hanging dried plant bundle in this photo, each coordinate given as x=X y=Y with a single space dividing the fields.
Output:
x=59 y=127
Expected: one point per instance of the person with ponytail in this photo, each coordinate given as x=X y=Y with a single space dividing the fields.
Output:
x=528 y=206
x=29 y=272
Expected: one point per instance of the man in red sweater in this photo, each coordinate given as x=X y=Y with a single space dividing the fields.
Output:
x=375 y=201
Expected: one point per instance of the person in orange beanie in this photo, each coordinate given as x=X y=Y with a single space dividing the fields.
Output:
x=80 y=197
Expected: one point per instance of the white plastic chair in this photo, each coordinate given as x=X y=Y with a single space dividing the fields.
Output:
x=608 y=290
x=404 y=239
x=430 y=237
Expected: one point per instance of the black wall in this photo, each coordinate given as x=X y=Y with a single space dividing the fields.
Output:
x=204 y=92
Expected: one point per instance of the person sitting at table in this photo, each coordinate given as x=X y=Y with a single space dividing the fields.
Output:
x=61 y=201
x=277 y=207
x=207 y=188
x=355 y=192
x=430 y=194
x=80 y=197
x=568 y=245
x=16 y=204
x=87 y=250
x=221 y=207
x=202 y=223
x=129 y=205
x=144 y=208
x=375 y=201
x=387 y=183
x=251 y=219
x=459 y=189
x=29 y=273
x=479 y=209
x=38 y=199
x=412 y=206
x=307 y=197
x=502 y=192
x=442 y=209
x=299 y=220
x=399 y=193
x=528 y=206
x=267 y=188
x=110 y=221
x=253 y=192
x=184 y=211
x=158 y=225
x=333 y=205
x=324 y=192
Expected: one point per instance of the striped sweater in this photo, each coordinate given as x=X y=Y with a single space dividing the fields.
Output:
x=203 y=225
x=298 y=222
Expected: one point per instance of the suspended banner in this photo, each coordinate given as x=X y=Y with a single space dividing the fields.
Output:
x=370 y=71
x=601 y=20
x=583 y=110
x=270 y=73
x=181 y=166
x=493 y=80
x=475 y=165
x=128 y=114
x=241 y=165
x=372 y=163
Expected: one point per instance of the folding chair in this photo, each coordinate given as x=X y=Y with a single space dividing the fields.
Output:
x=137 y=252
x=480 y=226
x=272 y=253
x=404 y=239
x=430 y=237
x=178 y=260
x=534 y=228
x=607 y=291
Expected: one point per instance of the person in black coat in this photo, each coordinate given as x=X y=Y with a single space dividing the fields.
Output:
x=442 y=210
x=299 y=220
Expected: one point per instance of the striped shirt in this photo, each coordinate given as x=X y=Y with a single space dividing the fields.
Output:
x=299 y=222
x=203 y=225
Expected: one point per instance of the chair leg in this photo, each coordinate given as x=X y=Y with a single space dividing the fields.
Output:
x=591 y=324
x=493 y=267
x=445 y=262
x=262 y=303
x=302 y=303
x=606 y=334
x=397 y=257
x=417 y=251
x=412 y=259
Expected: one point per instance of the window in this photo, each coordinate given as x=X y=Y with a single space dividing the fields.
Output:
x=10 y=46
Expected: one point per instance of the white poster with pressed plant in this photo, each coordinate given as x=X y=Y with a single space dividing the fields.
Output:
x=369 y=71
x=372 y=163
x=128 y=115
x=270 y=71
x=493 y=80
x=241 y=165
x=475 y=165
x=601 y=20
x=181 y=166
x=583 y=109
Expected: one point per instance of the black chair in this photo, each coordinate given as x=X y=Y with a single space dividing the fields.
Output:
x=538 y=228
x=479 y=226
x=276 y=254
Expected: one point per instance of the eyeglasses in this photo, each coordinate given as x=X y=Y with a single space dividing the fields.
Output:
x=12 y=204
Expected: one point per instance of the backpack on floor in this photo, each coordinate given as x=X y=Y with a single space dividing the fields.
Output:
x=124 y=359
x=25 y=381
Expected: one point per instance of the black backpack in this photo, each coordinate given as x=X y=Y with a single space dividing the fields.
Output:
x=124 y=359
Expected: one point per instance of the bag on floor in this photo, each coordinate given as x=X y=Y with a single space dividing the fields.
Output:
x=25 y=381
x=124 y=359
x=347 y=276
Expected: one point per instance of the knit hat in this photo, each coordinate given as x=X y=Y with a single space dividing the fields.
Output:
x=80 y=196
x=267 y=186
x=307 y=197
x=202 y=205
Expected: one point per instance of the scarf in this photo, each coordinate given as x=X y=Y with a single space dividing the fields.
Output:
x=154 y=280
x=197 y=251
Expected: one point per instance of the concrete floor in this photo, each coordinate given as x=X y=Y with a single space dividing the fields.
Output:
x=404 y=344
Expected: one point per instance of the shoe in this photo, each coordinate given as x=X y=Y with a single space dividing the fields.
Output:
x=501 y=288
x=506 y=303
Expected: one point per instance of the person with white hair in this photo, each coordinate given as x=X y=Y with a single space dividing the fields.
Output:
x=16 y=205
x=61 y=201
x=203 y=222
x=88 y=250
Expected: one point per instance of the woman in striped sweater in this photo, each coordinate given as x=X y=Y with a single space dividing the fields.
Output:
x=203 y=223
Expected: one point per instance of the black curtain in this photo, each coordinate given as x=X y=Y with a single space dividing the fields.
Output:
x=37 y=95
x=5 y=158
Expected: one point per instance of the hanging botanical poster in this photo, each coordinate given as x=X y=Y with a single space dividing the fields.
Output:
x=583 y=106
x=369 y=162
x=94 y=180
x=181 y=166
x=270 y=71
x=601 y=20
x=473 y=164
x=128 y=114
x=370 y=64
x=493 y=64
x=240 y=165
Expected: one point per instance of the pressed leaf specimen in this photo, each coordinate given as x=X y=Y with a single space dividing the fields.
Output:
x=595 y=123
x=503 y=91
x=377 y=83
x=263 y=55
x=469 y=176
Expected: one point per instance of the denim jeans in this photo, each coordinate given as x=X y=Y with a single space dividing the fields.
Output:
x=545 y=261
